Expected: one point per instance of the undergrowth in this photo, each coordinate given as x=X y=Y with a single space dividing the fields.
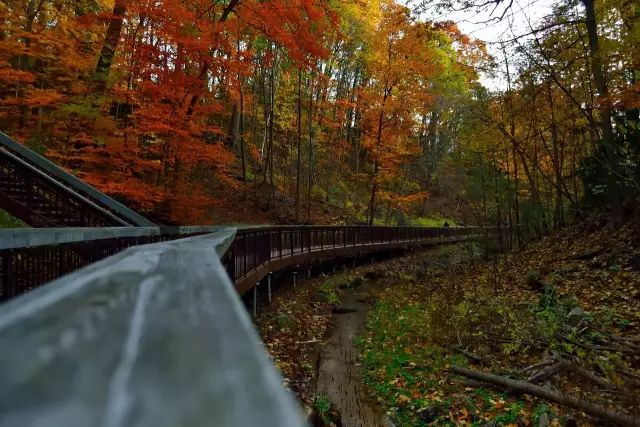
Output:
x=426 y=320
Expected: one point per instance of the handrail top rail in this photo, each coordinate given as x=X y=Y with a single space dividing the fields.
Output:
x=14 y=238
x=244 y=227
x=193 y=229
x=63 y=187
x=155 y=324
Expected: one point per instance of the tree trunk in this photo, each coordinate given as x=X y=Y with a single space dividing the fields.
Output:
x=558 y=219
x=604 y=119
x=299 y=141
x=234 y=124
x=310 y=160
x=376 y=166
x=272 y=96
x=111 y=39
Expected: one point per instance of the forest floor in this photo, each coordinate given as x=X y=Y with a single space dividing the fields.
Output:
x=562 y=315
x=255 y=204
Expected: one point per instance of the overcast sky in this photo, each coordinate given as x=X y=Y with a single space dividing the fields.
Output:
x=480 y=25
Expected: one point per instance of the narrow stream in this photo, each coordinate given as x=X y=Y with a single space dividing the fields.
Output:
x=340 y=377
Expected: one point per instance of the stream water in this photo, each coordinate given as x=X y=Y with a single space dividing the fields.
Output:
x=340 y=376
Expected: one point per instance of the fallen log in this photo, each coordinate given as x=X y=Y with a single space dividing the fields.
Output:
x=587 y=407
x=596 y=347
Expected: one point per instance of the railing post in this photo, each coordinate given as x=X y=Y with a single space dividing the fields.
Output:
x=230 y=259
x=7 y=279
x=244 y=254
x=280 y=243
x=255 y=300
x=271 y=244
x=312 y=238
x=302 y=236
x=254 y=235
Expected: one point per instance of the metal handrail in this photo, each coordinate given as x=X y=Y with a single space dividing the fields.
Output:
x=257 y=246
x=31 y=257
x=71 y=183
x=153 y=336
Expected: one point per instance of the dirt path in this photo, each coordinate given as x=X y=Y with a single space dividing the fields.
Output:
x=339 y=377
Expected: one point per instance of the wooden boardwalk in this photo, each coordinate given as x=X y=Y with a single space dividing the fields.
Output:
x=248 y=262
x=110 y=320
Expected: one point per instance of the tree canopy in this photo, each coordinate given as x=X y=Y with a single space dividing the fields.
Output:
x=327 y=111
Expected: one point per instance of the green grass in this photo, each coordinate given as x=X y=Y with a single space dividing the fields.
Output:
x=330 y=293
x=8 y=221
x=400 y=366
x=324 y=409
x=431 y=222
x=333 y=285
x=407 y=372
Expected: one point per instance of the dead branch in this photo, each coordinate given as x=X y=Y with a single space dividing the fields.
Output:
x=537 y=366
x=469 y=355
x=629 y=376
x=592 y=376
x=624 y=341
x=543 y=374
x=587 y=407
x=596 y=347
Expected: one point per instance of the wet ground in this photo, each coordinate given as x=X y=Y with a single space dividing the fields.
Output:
x=340 y=376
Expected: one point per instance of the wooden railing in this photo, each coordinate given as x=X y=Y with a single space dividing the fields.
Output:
x=155 y=335
x=31 y=257
x=256 y=251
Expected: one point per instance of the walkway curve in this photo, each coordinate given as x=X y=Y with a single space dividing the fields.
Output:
x=256 y=252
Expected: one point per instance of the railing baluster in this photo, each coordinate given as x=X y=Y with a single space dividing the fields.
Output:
x=244 y=254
